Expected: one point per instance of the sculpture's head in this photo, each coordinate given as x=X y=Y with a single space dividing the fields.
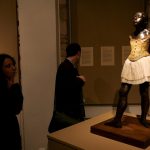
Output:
x=140 y=19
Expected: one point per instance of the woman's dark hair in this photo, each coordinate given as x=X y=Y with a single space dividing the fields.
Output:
x=72 y=49
x=2 y=58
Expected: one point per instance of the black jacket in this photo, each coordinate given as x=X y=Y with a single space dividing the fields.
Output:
x=11 y=105
x=68 y=93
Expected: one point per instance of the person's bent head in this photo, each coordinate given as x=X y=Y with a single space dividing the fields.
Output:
x=73 y=49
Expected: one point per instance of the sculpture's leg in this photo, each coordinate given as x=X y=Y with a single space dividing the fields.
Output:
x=144 y=92
x=121 y=106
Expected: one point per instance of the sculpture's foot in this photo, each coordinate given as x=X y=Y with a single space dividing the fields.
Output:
x=145 y=123
x=114 y=123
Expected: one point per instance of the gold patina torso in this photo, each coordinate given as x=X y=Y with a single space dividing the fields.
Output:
x=139 y=45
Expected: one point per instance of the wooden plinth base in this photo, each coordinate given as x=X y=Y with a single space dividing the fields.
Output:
x=132 y=132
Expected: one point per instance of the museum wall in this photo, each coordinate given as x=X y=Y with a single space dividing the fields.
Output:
x=104 y=26
x=37 y=29
x=8 y=29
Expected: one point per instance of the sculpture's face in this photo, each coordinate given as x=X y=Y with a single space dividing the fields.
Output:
x=138 y=17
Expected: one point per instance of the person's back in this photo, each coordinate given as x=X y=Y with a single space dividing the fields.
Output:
x=68 y=92
x=68 y=103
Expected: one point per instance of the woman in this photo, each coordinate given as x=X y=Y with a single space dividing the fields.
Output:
x=136 y=70
x=11 y=104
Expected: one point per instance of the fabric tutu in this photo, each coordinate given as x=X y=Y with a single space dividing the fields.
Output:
x=136 y=72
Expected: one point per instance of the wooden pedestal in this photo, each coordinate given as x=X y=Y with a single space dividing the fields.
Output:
x=132 y=132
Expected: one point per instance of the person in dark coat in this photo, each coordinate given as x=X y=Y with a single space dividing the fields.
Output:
x=68 y=103
x=11 y=100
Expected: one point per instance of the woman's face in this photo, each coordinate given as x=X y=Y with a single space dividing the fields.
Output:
x=9 y=68
x=138 y=18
